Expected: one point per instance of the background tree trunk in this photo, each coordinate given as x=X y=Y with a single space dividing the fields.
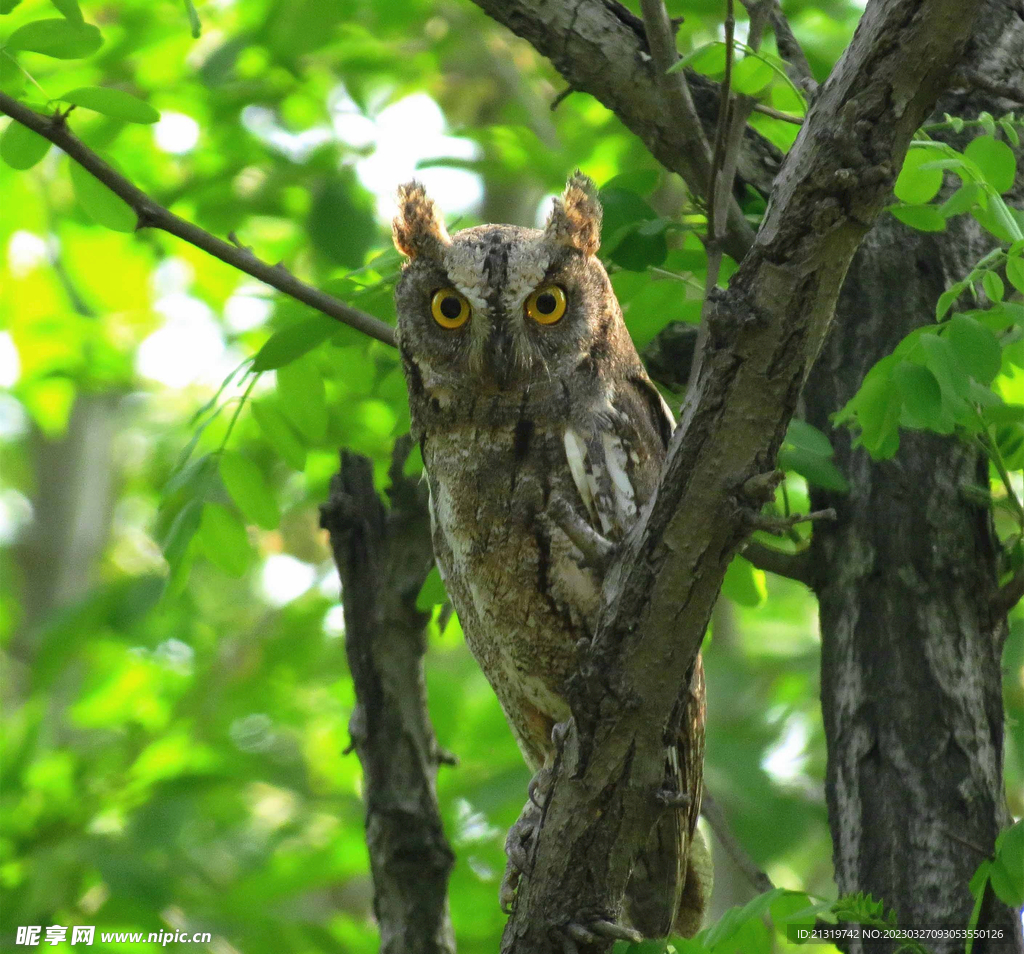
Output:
x=383 y=556
x=911 y=644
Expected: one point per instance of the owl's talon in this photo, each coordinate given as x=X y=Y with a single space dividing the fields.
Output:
x=521 y=836
x=598 y=551
x=592 y=931
x=579 y=933
x=507 y=890
x=540 y=784
x=618 y=932
x=559 y=733
x=672 y=799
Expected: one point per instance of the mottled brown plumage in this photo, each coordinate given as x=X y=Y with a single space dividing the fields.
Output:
x=536 y=432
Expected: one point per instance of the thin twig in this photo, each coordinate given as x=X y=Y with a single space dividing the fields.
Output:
x=1005 y=90
x=737 y=235
x=715 y=818
x=733 y=114
x=778 y=114
x=780 y=526
x=799 y=70
x=152 y=215
x=557 y=101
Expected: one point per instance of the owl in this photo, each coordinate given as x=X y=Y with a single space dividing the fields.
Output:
x=542 y=439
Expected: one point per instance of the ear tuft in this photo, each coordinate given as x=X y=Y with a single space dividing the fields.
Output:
x=418 y=229
x=575 y=219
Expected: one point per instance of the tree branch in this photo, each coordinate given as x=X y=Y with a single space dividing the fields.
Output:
x=600 y=48
x=793 y=566
x=700 y=171
x=764 y=333
x=383 y=556
x=152 y=215
x=716 y=820
x=1014 y=92
x=799 y=70
x=1009 y=594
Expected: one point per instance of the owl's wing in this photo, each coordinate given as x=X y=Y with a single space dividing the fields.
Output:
x=615 y=457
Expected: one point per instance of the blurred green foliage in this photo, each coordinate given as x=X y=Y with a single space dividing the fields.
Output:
x=175 y=690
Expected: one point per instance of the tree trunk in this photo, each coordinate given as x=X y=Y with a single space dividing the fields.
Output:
x=383 y=556
x=911 y=643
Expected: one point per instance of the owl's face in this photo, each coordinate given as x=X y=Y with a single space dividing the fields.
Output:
x=502 y=307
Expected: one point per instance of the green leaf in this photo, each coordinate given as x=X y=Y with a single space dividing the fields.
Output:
x=432 y=592
x=1010 y=132
x=180 y=534
x=69 y=9
x=735 y=918
x=708 y=59
x=946 y=300
x=100 y=203
x=941 y=360
x=924 y=218
x=807 y=437
x=1015 y=272
x=962 y=200
x=996 y=161
x=293 y=342
x=744 y=583
x=112 y=102
x=921 y=396
x=341 y=223
x=993 y=286
x=224 y=540
x=639 y=250
x=1007 y=871
x=12 y=79
x=790 y=909
x=998 y=218
x=248 y=488
x=194 y=475
x=817 y=469
x=1004 y=414
x=914 y=184
x=20 y=147
x=876 y=409
x=60 y=38
x=976 y=347
x=300 y=387
x=634 y=236
x=751 y=75
x=279 y=434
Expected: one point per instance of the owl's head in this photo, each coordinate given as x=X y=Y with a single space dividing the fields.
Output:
x=500 y=306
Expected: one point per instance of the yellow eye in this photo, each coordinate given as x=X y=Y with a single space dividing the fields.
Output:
x=547 y=304
x=449 y=308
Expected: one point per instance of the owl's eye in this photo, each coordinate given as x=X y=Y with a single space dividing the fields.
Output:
x=449 y=308
x=547 y=304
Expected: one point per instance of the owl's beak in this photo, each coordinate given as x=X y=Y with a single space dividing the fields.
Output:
x=499 y=358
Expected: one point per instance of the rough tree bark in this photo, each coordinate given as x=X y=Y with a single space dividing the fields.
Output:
x=383 y=557
x=765 y=332
x=906 y=580
x=871 y=582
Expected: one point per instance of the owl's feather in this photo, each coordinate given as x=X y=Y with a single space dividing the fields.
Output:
x=517 y=421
